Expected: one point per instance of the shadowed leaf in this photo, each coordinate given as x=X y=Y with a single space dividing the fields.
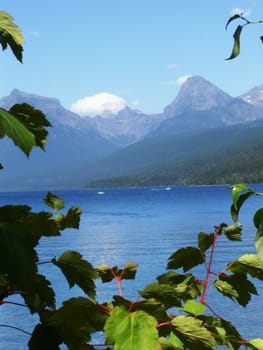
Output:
x=205 y=241
x=233 y=233
x=77 y=271
x=54 y=201
x=186 y=258
x=231 y=19
x=236 y=46
x=44 y=338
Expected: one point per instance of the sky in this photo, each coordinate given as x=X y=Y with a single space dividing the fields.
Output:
x=95 y=55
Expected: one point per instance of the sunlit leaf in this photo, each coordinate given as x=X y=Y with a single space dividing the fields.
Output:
x=233 y=233
x=236 y=287
x=13 y=128
x=77 y=271
x=192 y=332
x=129 y=331
x=194 y=308
x=257 y=343
x=236 y=46
x=54 y=201
x=34 y=120
x=10 y=35
x=44 y=338
x=74 y=323
x=171 y=343
x=186 y=258
x=248 y=263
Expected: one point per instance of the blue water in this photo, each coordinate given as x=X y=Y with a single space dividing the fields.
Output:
x=143 y=225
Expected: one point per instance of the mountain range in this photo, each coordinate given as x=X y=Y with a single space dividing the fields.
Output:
x=201 y=130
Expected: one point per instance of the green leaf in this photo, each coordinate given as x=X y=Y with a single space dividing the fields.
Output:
x=44 y=338
x=129 y=331
x=258 y=217
x=10 y=35
x=129 y=271
x=233 y=233
x=236 y=46
x=13 y=128
x=54 y=201
x=236 y=287
x=186 y=258
x=205 y=241
x=259 y=241
x=34 y=120
x=257 y=343
x=70 y=220
x=236 y=206
x=194 y=308
x=172 y=343
x=192 y=332
x=106 y=273
x=76 y=320
x=248 y=263
x=231 y=19
x=77 y=271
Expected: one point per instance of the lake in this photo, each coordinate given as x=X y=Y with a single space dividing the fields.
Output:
x=145 y=225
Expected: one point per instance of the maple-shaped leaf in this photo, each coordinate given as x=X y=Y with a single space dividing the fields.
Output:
x=70 y=220
x=53 y=201
x=164 y=293
x=205 y=241
x=10 y=35
x=129 y=270
x=186 y=258
x=192 y=333
x=129 y=331
x=34 y=120
x=40 y=224
x=77 y=271
x=171 y=343
x=106 y=273
x=43 y=338
x=236 y=287
x=10 y=126
x=76 y=320
x=194 y=308
x=248 y=263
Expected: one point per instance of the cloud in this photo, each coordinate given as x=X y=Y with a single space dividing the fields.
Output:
x=168 y=82
x=180 y=81
x=238 y=11
x=173 y=65
x=97 y=104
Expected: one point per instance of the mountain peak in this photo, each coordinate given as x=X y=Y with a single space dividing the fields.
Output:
x=197 y=94
x=254 y=96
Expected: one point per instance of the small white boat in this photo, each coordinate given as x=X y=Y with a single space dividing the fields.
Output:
x=100 y=192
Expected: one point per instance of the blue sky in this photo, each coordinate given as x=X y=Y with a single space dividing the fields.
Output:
x=129 y=52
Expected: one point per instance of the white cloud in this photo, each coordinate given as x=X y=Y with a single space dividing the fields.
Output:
x=173 y=65
x=180 y=81
x=168 y=82
x=238 y=11
x=97 y=104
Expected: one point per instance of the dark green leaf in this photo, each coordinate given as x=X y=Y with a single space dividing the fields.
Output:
x=258 y=217
x=236 y=206
x=236 y=46
x=54 y=201
x=186 y=258
x=13 y=128
x=106 y=273
x=34 y=120
x=41 y=296
x=236 y=287
x=77 y=271
x=259 y=241
x=231 y=19
x=76 y=320
x=44 y=338
x=233 y=233
x=130 y=331
x=192 y=332
x=129 y=271
x=70 y=220
x=248 y=263
x=205 y=241
x=10 y=35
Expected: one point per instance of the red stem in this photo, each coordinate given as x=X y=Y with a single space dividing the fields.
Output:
x=208 y=269
x=118 y=279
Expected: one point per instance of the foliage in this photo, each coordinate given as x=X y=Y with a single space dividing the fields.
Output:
x=171 y=313
x=236 y=46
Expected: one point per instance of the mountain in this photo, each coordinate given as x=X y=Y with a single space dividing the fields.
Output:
x=127 y=126
x=199 y=126
x=254 y=96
